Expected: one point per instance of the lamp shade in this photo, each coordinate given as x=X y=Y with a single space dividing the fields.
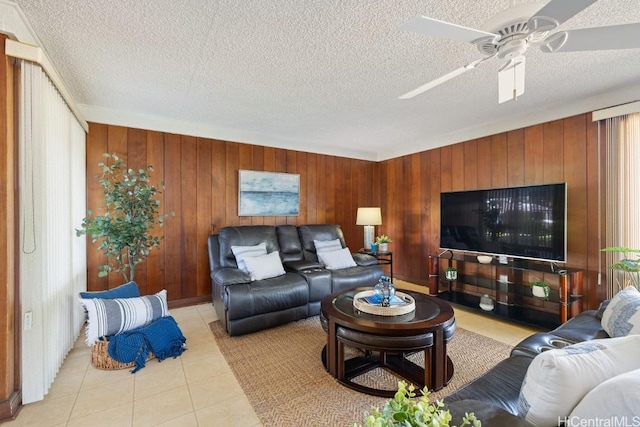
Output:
x=369 y=216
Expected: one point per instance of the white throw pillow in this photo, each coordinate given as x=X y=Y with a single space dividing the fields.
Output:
x=558 y=379
x=107 y=317
x=327 y=245
x=335 y=260
x=613 y=400
x=622 y=315
x=242 y=252
x=265 y=266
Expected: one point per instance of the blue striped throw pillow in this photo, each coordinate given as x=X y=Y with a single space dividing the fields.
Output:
x=111 y=316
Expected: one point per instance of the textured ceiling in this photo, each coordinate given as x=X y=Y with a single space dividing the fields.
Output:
x=315 y=75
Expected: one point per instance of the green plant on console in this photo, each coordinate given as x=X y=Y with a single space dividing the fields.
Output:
x=383 y=239
x=545 y=289
x=451 y=273
x=131 y=213
x=628 y=264
x=405 y=411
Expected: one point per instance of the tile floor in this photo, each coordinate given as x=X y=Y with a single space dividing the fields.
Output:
x=196 y=389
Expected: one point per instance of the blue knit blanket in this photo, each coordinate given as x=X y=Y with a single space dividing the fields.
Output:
x=163 y=337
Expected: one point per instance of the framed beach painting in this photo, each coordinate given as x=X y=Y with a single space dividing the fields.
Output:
x=268 y=193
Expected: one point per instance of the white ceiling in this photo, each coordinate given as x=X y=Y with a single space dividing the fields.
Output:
x=321 y=76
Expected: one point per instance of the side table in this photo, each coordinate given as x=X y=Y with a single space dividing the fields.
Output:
x=384 y=258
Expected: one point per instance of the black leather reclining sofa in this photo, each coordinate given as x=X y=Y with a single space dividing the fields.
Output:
x=494 y=396
x=245 y=306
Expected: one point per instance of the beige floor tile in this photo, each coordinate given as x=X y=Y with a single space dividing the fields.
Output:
x=74 y=365
x=117 y=416
x=200 y=350
x=97 y=399
x=156 y=365
x=208 y=312
x=204 y=368
x=45 y=413
x=185 y=314
x=66 y=384
x=149 y=381
x=213 y=390
x=197 y=326
x=162 y=407
x=232 y=412
x=188 y=420
x=99 y=377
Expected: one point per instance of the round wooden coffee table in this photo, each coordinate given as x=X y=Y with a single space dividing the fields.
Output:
x=387 y=340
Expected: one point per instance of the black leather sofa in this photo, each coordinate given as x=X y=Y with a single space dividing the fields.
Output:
x=493 y=397
x=244 y=305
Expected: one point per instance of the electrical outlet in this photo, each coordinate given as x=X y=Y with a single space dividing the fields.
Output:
x=28 y=320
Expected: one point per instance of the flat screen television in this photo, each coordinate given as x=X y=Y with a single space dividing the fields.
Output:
x=521 y=222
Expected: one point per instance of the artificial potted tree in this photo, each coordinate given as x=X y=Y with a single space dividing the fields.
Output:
x=132 y=211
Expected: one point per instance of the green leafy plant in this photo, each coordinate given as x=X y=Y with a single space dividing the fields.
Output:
x=629 y=264
x=383 y=239
x=125 y=230
x=542 y=285
x=451 y=273
x=406 y=411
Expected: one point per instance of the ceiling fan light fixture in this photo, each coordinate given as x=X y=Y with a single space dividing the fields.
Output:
x=554 y=42
x=541 y=24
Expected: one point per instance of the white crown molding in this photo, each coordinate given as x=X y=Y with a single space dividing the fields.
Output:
x=181 y=127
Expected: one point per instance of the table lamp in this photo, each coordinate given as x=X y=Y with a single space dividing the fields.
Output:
x=369 y=217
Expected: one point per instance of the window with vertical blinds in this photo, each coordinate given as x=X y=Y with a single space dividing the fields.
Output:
x=52 y=188
x=622 y=191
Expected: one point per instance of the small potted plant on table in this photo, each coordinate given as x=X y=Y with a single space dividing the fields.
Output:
x=540 y=289
x=383 y=243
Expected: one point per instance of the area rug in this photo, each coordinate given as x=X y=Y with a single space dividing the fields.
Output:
x=281 y=372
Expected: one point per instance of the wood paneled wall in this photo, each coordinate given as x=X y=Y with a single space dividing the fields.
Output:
x=10 y=396
x=560 y=151
x=201 y=187
x=201 y=178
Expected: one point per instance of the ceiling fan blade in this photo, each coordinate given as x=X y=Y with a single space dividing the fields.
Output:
x=511 y=80
x=560 y=11
x=436 y=28
x=626 y=36
x=442 y=79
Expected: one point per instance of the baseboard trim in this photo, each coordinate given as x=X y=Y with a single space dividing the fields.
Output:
x=9 y=408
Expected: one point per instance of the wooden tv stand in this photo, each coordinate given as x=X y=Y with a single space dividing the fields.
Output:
x=508 y=285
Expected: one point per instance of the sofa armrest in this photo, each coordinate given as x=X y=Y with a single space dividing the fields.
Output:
x=301 y=265
x=489 y=415
x=230 y=276
x=364 y=260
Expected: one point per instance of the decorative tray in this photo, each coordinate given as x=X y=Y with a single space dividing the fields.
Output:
x=401 y=303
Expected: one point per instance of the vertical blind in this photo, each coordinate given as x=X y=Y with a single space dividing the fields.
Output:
x=622 y=190
x=52 y=204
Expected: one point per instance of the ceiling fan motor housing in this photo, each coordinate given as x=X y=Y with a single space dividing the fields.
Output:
x=513 y=49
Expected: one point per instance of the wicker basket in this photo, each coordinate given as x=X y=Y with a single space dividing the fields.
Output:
x=100 y=358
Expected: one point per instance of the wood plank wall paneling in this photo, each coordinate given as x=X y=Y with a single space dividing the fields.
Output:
x=201 y=188
x=10 y=322
x=201 y=177
x=558 y=151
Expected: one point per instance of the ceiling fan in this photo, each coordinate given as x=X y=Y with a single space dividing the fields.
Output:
x=509 y=34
